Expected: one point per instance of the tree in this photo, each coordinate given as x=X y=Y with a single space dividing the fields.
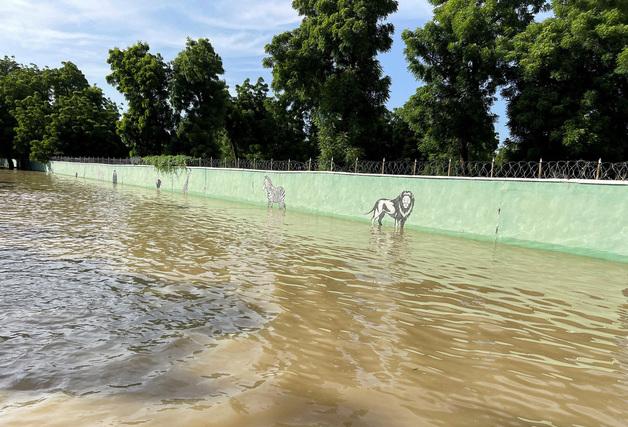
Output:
x=143 y=80
x=82 y=123
x=328 y=66
x=54 y=112
x=31 y=117
x=458 y=54
x=400 y=141
x=249 y=124
x=569 y=97
x=260 y=126
x=24 y=91
x=199 y=98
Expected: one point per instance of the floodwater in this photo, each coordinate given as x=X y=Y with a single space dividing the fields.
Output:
x=126 y=306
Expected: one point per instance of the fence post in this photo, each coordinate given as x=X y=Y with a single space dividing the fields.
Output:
x=355 y=169
x=331 y=165
x=309 y=165
x=383 y=165
x=254 y=162
x=599 y=167
x=288 y=165
x=237 y=163
x=449 y=168
x=414 y=168
x=211 y=162
x=492 y=166
x=540 y=167
x=271 y=164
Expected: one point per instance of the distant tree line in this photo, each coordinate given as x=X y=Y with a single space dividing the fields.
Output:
x=565 y=81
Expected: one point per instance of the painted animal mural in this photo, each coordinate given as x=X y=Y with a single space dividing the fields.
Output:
x=398 y=208
x=274 y=194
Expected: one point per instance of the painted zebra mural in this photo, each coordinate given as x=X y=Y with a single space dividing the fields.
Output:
x=274 y=194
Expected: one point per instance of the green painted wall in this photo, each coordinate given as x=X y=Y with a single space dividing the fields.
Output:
x=587 y=218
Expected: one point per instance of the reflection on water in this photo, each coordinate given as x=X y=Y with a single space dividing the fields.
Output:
x=128 y=306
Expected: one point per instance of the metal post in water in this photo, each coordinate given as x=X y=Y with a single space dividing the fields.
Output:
x=540 y=167
x=383 y=164
x=449 y=168
x=414 y=168
x=492 y=166
x=599 y=167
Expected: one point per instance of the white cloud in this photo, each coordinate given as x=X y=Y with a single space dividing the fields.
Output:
x=82 y=31
x=413 y=10
x=249 y=15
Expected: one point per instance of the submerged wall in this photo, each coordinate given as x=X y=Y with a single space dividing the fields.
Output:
x=582 y=217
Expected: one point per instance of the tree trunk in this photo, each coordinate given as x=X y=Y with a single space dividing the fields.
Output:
x=23 y=163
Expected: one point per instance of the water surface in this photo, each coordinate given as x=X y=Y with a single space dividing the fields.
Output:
x=129 y=306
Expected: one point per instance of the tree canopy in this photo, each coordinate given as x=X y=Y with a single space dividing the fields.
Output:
x=329 y=65
x=142 y=77
x=199 y=98
x=260 y=126
x=459 y=57
x=569 y=98
x=46 y=112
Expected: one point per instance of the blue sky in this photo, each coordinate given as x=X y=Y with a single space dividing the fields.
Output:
x=47 y=32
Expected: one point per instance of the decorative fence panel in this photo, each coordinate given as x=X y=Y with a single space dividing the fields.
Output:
x=571 y=169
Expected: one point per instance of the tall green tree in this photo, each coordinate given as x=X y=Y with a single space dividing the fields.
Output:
x=458 y=55
x=569 y=98
x=54 y=112
x=329 y=67
x=142 y=78
x=25 y=99
x=199 y=97
x=261 y=126
x=31 y=115
x=82 y=123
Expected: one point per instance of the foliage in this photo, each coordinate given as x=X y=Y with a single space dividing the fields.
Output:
x=400 y=141
x=17 y=83
x=168 y=164
x=84 y=124
x=263 y=127
x=329 y=67
x=30 y=131
x=569 y=99
x=143 y=80
x=54 y=112
x=199 y=98
x=458 y=56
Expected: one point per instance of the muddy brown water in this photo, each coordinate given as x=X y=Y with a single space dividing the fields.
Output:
x=125 y=306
